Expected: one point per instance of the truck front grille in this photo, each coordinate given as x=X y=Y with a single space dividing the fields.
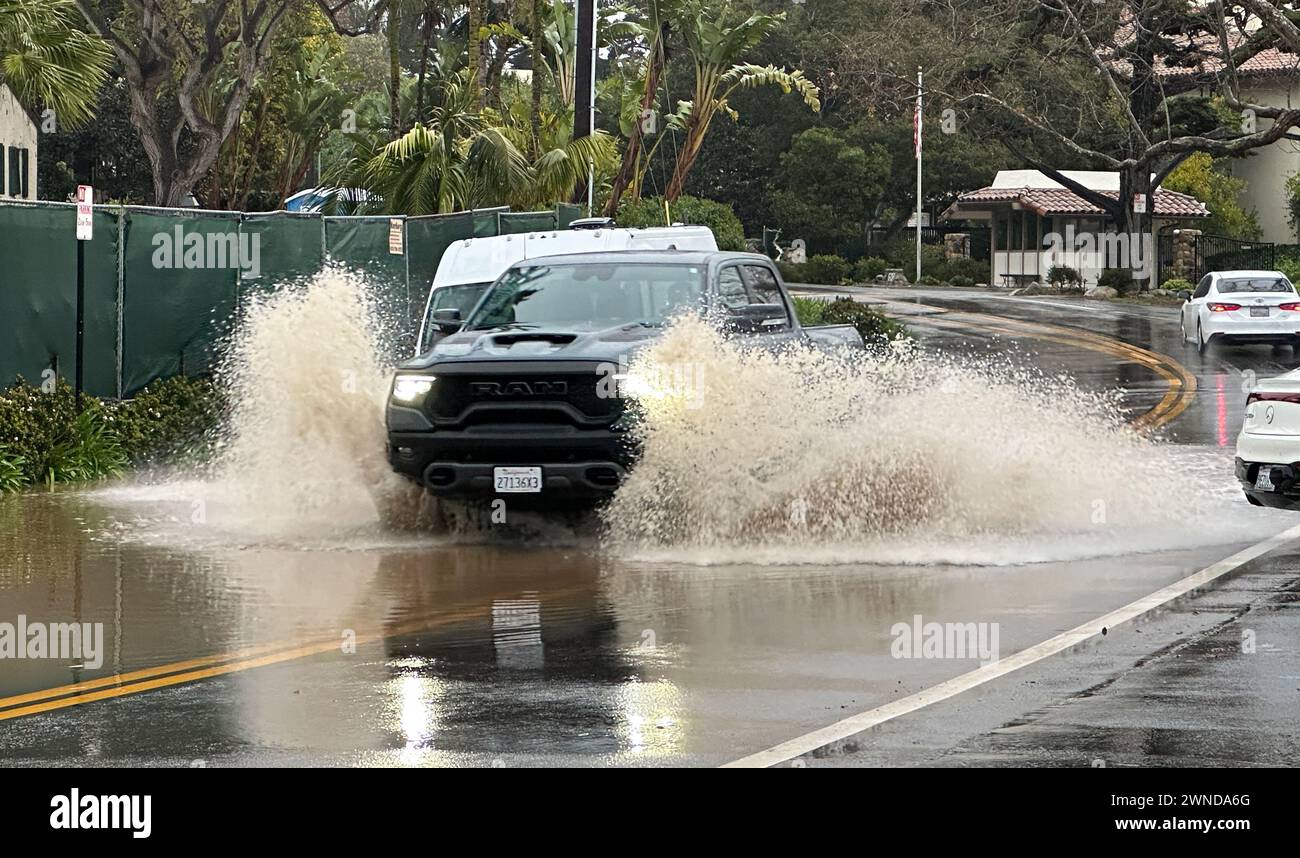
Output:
x=466 y=398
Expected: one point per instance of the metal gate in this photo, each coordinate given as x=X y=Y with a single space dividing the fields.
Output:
x=1208 y=253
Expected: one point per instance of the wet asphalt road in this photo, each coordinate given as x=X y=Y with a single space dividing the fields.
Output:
x=519 y=654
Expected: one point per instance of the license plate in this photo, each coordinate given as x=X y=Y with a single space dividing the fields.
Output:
x=1264 y=480
x=1259 y=311
x=517 y=480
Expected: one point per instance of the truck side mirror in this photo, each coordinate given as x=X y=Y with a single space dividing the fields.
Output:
x=447 y=320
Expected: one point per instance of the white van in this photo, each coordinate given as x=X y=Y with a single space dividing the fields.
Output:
x=471 y=265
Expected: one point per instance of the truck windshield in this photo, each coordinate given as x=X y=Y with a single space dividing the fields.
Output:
x=592 y=296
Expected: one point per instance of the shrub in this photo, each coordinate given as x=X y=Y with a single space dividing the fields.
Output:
x=868 y=268
x=88 y=451
x=169 y=418
x=826 y=270
x=719 y=217
x=33 y=421
x=11 y=471
x=875 y=327
x=810 y=311
x=1119 y=279
x=1290 y=266
x=962 y=281
x=1177 y=284
x=934 y=262
x=792 y=273
x=963 y=266
x=1061 y=276
x=43 y=439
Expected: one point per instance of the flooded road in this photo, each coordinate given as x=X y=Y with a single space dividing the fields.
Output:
x=230 y=644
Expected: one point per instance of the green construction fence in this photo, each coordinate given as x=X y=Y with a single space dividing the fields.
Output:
x=164 y=285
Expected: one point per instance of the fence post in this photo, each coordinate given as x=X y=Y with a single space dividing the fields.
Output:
x=121 y=297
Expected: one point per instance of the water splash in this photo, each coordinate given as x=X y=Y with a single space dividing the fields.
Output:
x=302 y=450
x=806 y=456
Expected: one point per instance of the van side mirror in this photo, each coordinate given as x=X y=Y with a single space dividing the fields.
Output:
x=447 y=320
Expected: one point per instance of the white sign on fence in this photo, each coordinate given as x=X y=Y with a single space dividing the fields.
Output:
x=85 y=212
x=395 y=235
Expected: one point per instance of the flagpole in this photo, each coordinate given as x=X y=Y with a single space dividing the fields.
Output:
x=918 y=174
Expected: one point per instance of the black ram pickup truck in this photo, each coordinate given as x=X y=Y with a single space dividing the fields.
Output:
x=527 y=395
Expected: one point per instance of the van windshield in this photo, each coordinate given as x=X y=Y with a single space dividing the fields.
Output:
x=590 y=296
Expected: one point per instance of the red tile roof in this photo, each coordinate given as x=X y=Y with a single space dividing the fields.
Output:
x=1059 y=201
x=1209 y=57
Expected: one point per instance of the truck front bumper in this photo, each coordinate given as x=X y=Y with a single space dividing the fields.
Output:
x=576 y=464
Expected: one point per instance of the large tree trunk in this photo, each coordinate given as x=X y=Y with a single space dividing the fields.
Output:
x=476 y=52
x=430 y=21
x=632 y=152
x=1136 y=226
x=535 y=108
x=153 y=52
x=696 y=128
x=394 y=70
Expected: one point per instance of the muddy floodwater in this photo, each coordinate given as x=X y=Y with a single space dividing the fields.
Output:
x=294 y=602
x=401 y=648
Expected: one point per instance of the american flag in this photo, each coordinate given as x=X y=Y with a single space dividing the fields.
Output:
x=916 y=122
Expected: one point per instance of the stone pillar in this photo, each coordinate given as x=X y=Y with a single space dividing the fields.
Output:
x=1184 y=262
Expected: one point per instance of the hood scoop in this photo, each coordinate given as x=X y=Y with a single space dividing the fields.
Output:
x=525 y=342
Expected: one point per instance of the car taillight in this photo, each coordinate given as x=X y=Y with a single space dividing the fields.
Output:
x=1272 y=396
x=1291 y=306
x=1224 y=308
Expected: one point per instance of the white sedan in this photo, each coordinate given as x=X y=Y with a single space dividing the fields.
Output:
x=1268 y=448
x=1242 y=307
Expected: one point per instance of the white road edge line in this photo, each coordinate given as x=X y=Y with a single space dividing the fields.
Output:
x=855 y=724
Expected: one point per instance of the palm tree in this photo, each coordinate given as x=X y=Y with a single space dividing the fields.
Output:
x=455 y=161
x=560 y=162
x=45 y=59
x=716 y=49
x=465 y=158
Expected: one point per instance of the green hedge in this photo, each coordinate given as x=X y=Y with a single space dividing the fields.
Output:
x=719 y=217
x=875 y=327
x=44 y=440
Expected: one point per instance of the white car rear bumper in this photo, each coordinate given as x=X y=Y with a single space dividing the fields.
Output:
x=1262 y=329
x=1274 y=449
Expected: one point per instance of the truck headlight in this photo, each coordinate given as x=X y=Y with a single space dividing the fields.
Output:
x=412 y=388
x=631 y=385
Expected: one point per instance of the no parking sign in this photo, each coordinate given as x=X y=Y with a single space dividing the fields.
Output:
x=85 y=212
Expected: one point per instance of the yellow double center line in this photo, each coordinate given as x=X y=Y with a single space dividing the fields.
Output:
x=1181 y=390
x=192 y=670
x=1180 y=383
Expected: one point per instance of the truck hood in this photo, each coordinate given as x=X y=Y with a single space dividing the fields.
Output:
x=550 y=343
